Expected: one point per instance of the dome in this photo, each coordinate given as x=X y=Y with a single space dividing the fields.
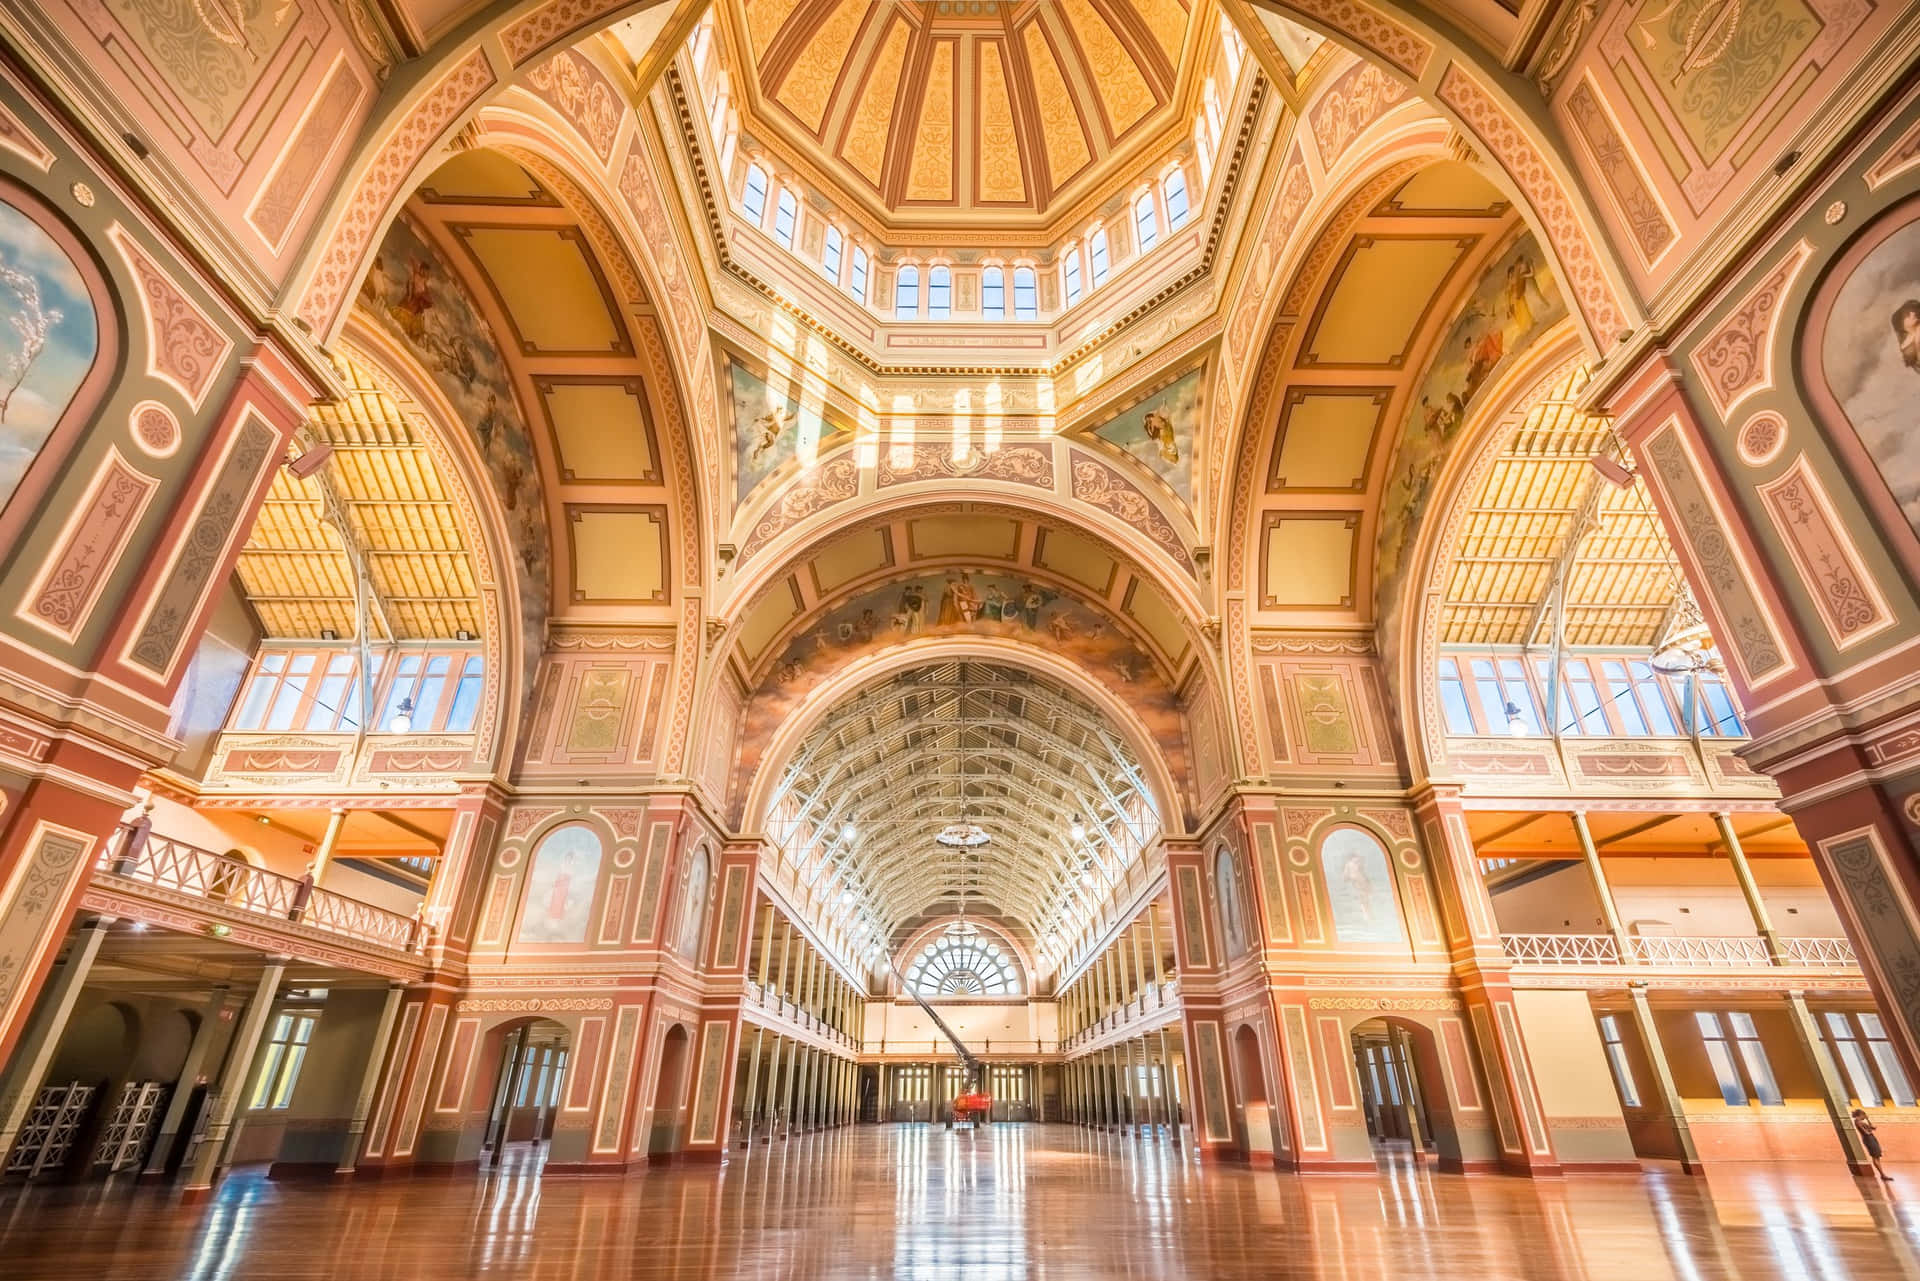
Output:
x=995 y=114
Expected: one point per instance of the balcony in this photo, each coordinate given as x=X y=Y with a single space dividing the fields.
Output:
x=175 y=885
x=1678 y=952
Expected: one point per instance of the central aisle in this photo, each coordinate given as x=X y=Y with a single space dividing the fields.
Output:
x=1007 y=1204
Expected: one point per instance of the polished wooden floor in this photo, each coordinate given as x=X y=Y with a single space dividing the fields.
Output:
x=1016 y=1203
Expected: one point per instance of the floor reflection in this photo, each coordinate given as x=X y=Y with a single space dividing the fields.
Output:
x=1009 y=1203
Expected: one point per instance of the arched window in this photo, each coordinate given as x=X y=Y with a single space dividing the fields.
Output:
x=1026 y=294
x=560 y=884
x=1070 y=275
x=1146 y=221
x=1231 y=902
x=906 y=293
x=48 y=345
x=993 y=294
x=964 y=962
x=693 y=910
x=1176 y=193
x=857 y=278
x=785 y=215
x=830 y=254
x=939 y=294
x=1360 y=890
x=753 y=201
x=1097 y=258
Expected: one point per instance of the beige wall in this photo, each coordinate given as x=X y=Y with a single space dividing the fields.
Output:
x=1696 y=896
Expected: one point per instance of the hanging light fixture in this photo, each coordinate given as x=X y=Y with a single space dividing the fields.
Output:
x=1685 y=645
x=402 y=722
x=1079 y=830
x=1516 y=723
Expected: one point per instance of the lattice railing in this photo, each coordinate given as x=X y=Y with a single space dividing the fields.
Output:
x=1561 y=949
x=234 y=883
x=1830 y=953
x=1687 y=951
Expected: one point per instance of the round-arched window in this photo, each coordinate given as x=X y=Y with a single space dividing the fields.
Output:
x=964 y=962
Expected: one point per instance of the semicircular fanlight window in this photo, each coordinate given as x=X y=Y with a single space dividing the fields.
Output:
x=963 y=964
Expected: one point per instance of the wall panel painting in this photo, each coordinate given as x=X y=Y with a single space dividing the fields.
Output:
x=560 y=887
x=48 y=341
x=1360 y=888
x=1158 y=431
x=1870 y=354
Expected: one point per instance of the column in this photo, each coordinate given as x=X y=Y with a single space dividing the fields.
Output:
x=773 y=1085
x=1750 y=890
x=753 y=1089
x=34 y=1055
x=1663 y=1078
x=203 y=1033
x=370 y=1079
x=210 y=1158
x=1601 y=890
x=1402 y=1042
x=1169 y=1083
x=1832 y=1091
x=323 y=856
x=786 y=957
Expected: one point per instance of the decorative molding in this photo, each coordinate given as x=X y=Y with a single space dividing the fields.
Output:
x=1735 y=361
x=1761 y=438
x=63 y=596
x=1849 y=602
x=185 y=349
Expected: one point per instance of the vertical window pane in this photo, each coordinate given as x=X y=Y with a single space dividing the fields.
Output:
x=1653 y=700
x=287 y=701
x=1891 y=1070
x=1725 y=1072
x=404 y=680
x=290 y=1072
x=1493 y=702
x=1586 y=701
x=1026 y=294
x=1453 y=699
x=1176 y=191
x=1097 y=256
x=754 y=202
x=1754 y=1055
x=906 y=293
x=1146 y=221
x=993 y=294
x=1720 y=706
x=939 y=294
x=253 y=709
x=1620 y=692
x=466 y=696
x=830 y=254
x=857 y=281
x=1513 y=684
x=426 y=705
x=269 y=1073
x=785 y=215
x=1617 y=1059
x=1070 y=275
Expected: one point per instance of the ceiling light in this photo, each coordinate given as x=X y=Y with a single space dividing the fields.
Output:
x=402 y=721
x=962 y=836
x=1079 y=830
x=848 y=832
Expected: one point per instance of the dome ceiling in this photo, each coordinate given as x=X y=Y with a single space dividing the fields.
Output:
x=921 y=110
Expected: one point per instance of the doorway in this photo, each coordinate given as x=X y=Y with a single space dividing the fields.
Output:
x=526 y=1101
x=1390 y=1088
x=670 y=1093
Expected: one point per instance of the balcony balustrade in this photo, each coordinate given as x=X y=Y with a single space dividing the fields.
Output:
x=1677 y=951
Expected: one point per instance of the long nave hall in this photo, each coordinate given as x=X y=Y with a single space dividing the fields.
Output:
x=960 y=639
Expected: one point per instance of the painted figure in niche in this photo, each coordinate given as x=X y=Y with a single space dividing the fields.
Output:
x=1360 y=888
x=560 y=887
x=1160 y=432
x=1906 y=332
x=912 y=615
x=47 y=346
x=1871 y=377
x=768 y=428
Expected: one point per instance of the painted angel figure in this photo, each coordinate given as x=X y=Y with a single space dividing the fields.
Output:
x=1159 y=430
x=768 y=428
x=1906 y=332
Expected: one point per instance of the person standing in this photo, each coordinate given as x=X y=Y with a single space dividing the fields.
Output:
x=1870 y=1139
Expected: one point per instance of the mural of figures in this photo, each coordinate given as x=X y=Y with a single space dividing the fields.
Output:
x=1360 y=888
x=1871 y=356
x=978 y=602
x=1226 y=889
x=412 y=291
x=47 y=344
x=560 y=887
x=1516 y=301
x=769 y=428
x=1159 y=430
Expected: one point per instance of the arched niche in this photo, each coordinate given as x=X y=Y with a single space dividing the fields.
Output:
x=59 y=350
x=558 y=899
x=1363 y=896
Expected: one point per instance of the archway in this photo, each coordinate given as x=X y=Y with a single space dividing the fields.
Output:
x=670 y=1093
x=526 y=1099
x=1390 y=1092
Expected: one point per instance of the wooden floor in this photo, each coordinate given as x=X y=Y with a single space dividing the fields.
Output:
x=1016 y=1203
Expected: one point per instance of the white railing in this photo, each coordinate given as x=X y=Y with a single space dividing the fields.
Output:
x=1561 y=949
x=234 y=883
x=1821 y=953
x=1702 y=951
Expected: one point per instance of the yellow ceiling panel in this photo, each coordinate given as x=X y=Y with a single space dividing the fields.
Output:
x=1060 y=128
x=1002 y=177
x=931 y=175
x=867 y=135
x=764 y=20
x=1122 y=86
x=810 y=82
x=1167 y=19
